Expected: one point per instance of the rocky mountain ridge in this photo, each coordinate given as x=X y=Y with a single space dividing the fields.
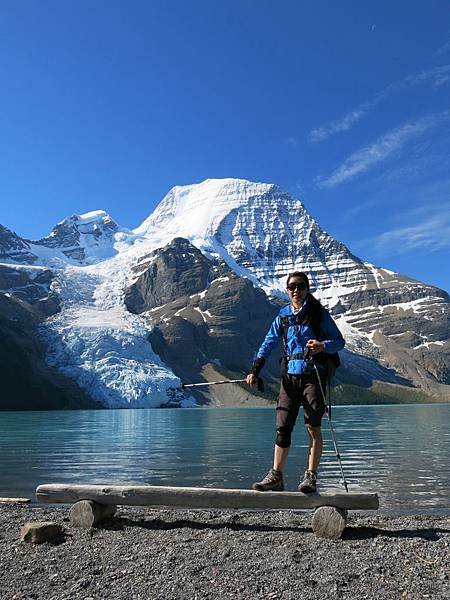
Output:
x=218 y=327
x=204 y=275
x=79 y=240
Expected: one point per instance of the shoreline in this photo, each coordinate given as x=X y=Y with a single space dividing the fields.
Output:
x=145 y=553
x=439 y=512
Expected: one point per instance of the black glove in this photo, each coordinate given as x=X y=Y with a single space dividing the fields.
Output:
x=257 y=366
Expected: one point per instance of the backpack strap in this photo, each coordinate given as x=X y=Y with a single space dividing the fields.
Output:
x=286 y=322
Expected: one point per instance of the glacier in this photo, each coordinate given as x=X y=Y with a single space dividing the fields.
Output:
x=104 y=348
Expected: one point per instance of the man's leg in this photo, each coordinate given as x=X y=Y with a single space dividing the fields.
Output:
x=279 y=457
x=287 y=411
x=315 y=447
x=308 y=483
x=314 y=407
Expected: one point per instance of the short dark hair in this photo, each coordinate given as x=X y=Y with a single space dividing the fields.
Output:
x=303 y=276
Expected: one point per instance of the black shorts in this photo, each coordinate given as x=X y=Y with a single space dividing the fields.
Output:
x=300 y=390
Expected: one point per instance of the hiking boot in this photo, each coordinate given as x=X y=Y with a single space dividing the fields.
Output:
x=272 y=482
x=308 y=485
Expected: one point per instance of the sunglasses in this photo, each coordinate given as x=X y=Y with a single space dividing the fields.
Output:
x=297 y=286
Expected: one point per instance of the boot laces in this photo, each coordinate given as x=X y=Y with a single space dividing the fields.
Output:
x=271 y=477
x=310 y=477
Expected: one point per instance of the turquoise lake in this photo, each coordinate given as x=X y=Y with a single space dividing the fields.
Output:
x=400 y=451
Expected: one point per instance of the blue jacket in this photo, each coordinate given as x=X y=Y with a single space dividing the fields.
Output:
x=298 y=336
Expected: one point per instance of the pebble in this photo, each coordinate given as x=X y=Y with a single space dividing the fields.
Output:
x=173 y=554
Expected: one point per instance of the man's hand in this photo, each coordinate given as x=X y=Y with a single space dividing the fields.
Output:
x=251 y=379
x=314 y=346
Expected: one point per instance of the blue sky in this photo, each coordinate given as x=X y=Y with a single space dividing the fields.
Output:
x=346 y=105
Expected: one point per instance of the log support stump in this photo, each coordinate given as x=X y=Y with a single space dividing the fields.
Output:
x=87 y=513
x=329 y=522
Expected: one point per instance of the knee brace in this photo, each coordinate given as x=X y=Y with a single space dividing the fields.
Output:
x=283 y=438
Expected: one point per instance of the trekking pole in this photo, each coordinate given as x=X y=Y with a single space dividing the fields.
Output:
x=188 y=385
x=333 y=437
x=259 y=383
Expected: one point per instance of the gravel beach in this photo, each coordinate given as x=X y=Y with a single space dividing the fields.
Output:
x=149 y=553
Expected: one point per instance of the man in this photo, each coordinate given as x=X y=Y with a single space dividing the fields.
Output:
x=308 y=332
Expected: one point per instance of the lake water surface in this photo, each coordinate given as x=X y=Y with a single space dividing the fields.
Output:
x=400 y=451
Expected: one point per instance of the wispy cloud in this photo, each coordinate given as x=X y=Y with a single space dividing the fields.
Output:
x=386 y=145
x=428 y=236
x=443 y=49
x=344 y=123
x=438 y=76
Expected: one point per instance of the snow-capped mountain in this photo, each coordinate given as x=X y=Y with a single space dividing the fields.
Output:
x=85 y=239
x=264 y=233
x=258 y=229
x=107 y=280
x=79 y=239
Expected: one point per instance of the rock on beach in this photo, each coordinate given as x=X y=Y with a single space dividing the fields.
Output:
x=38 y=532
x=177 y=554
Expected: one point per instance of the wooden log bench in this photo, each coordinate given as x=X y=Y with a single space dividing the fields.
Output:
x=94 y=503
